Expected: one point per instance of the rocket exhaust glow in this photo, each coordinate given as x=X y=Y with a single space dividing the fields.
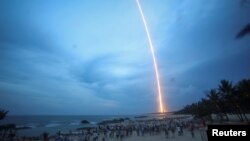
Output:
x=161 y=107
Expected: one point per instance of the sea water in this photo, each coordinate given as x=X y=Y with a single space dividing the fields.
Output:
x=52 y=124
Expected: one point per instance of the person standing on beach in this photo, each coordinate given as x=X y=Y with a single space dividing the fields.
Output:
x=181 y=128
x=178 y=130
x=138 y=131
x=173 y=132
x=166 y=132
x=192 y=131
x=95 y=136
x=45 y=136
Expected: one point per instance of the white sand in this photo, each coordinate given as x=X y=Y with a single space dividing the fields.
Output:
x=161 y=137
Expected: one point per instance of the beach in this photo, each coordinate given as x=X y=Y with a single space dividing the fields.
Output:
x=152 y=127
x=161 y=137
x=143 y=129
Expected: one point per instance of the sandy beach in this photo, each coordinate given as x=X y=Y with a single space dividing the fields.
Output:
x=160 y=137
x=142 y=128
x=176 y=129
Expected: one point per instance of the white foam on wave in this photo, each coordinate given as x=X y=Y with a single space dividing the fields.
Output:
x=52 y=125
x=75 y=123
x=92 y=122
x=26 y=126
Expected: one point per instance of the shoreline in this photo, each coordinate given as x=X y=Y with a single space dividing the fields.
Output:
x=153 y=125
x=101 y=129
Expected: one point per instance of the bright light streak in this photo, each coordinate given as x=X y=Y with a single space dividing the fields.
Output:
x=161 y=107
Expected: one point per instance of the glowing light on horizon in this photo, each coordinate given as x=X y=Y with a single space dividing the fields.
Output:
x=161 y=107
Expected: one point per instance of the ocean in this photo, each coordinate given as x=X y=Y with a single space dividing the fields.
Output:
x=53 y=124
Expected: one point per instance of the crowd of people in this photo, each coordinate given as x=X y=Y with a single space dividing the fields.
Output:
x=171 y=128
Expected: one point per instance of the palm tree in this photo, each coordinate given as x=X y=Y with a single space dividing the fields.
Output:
x=215 y=100
x=3 y=113
x=228 y=94
x=246 y=29
x=205 y=108
x=243 y=96
x=227 y=98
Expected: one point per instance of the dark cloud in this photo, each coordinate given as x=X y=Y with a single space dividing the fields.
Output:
x=204 y=52
x=67 y=53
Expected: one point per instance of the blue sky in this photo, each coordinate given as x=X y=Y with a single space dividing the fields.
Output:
x=92 y=57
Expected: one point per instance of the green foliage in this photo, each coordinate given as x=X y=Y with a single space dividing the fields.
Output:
x=227 y=98
x=3 y=113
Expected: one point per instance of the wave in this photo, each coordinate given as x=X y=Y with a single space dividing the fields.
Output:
x=52 y=125
x=77 y=122
x=26 y=126
x=92 y=122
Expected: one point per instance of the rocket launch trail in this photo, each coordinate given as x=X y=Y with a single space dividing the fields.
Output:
x=160 y=102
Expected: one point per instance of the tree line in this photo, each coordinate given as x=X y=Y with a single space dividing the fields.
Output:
x=227 y=98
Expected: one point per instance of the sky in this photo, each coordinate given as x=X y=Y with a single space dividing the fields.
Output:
x=91 y=57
